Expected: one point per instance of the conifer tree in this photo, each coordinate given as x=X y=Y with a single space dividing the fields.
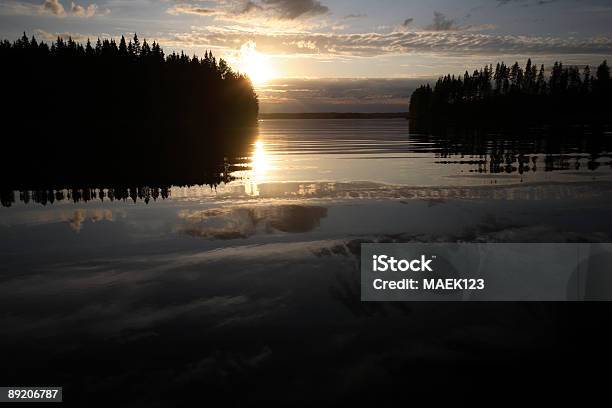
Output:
x=123 y=51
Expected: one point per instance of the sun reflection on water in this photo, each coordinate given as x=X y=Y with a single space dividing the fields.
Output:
x=260 y=165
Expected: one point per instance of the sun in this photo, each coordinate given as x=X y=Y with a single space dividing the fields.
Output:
x=255 y=64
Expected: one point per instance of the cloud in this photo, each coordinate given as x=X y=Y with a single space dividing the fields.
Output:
x=351 y=16
x=75 y=219
x=526 y=3
x=192 y=9
x=80 y=11
x=453 y=42
x=292 y=9
x=54 y=7
x=243 y=222
x=250 y=6
x=407 y=22
x=240 y=10
x=50 y=8
x=337 y=95
x=80 y=216
x=441 y=23
x=52 y=36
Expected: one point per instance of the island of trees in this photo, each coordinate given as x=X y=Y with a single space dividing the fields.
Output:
x=511 y=96
x=107 y=112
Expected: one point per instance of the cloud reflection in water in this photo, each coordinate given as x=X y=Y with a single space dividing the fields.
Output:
x=243 y=222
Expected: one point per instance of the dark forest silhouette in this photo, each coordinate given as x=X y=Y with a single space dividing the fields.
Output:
x=108 y=113
x=511 y=96
x=125 y=84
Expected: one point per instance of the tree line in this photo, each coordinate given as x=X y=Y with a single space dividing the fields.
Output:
x=515 y=96
x=133 y=68
x=109 y=111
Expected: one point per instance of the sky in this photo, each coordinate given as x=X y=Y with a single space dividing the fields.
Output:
x=336 y=55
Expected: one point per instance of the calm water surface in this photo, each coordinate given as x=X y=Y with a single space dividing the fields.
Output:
x=250 y=289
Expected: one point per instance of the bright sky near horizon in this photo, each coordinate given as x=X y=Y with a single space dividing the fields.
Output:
x=336 y=55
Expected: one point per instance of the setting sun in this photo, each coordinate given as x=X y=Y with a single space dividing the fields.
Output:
x=255 y=64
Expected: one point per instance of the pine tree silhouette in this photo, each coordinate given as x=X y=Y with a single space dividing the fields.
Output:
x=515 y=96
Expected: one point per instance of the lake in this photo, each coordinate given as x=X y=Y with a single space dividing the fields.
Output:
x=250 y=288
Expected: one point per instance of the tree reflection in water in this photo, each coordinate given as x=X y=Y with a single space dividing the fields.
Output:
x=251 y=164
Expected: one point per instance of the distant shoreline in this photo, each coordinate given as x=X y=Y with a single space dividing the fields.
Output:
x=335 y=115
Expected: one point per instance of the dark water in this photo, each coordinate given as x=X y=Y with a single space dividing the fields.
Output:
x=249 y=290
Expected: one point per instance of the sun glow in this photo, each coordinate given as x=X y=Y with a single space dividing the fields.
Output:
x=255 y=64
